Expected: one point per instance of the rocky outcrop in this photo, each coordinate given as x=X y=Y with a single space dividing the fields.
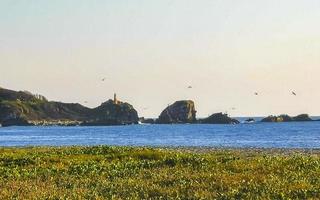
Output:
x=23 y=108
x=271 y=118
x=280 y=118
x=302 y=118
x=250 y=120
x=18 y=121
x=287 y=118
x=179 y=112
x=11 y=116
x=147 y=120
x=219 y=118
x=113 y=113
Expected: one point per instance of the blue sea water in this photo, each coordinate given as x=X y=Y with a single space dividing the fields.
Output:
x=256 y=135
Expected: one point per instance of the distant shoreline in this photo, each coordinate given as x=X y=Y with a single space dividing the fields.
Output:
x=22 y=108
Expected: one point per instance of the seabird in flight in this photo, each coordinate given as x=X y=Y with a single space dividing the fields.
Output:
x=293 y=93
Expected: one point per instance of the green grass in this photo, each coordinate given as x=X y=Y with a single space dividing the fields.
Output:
x=145 y=173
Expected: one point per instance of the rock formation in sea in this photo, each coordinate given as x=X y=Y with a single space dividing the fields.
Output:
x=147 y=120
x=250 y=120
x=286 y=118
x=179 y=112
x=113 y=113
x=302 y=118
x=218 y=118
x=24 y=108
x=280 y=118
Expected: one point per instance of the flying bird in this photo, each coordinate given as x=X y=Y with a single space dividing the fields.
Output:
x=103 y=79
x=256 y=93
x=190 y=87
x=85 y=101
x=233 y=108
x=293 y=93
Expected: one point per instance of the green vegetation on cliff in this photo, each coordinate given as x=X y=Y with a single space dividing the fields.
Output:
x=110 y=112
x=145 y=173
x=22 y=108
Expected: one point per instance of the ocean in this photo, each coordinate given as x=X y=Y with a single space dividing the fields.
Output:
x=255 y=135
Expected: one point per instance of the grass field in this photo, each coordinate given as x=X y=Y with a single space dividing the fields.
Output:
x=152 y=173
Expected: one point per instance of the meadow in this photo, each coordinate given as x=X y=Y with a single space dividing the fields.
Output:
x=104 y=172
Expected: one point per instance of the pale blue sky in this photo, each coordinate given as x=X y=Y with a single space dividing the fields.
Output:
x=150 y=51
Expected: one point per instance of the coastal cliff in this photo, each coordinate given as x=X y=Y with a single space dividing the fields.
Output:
x=23 y=108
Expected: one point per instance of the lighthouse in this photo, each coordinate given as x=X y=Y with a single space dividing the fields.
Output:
x=115 y=100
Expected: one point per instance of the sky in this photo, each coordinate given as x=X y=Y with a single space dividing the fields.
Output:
x=150 y=51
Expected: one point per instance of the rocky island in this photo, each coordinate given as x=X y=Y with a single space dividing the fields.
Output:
x=182 y=112
x=218 y=118
x=287 y=118
x=179 y=112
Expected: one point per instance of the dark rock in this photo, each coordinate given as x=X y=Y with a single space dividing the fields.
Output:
x=250 y=120
x=281 y=118
x=179 y=112
x=147 y=120
x=286 y=118
x=19 y=121
x=270 y=118
x=302 y=118
x=219 y=118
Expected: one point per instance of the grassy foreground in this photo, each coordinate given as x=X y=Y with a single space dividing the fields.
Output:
x=151 y=173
